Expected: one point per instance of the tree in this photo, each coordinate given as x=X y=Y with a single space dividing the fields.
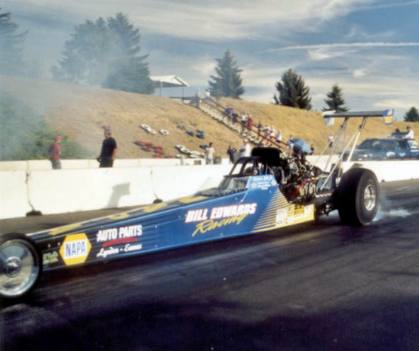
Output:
x=292 y=91
x=335 y=101
x=86 y=55
x=24 y=135
x=129 y=71
x=227 y=80
x=105 y=52
x=11 y=46
x=412 y=115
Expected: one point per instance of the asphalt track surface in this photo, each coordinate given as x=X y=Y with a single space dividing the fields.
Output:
x=317 y=286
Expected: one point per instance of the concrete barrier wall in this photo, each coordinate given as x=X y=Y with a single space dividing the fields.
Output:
x=386 y=171
x=13 y=198
x=88 y=189
x=81 y=190
x=390 y=171
x=70 y=190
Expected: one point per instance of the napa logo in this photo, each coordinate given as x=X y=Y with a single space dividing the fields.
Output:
x=75 y=249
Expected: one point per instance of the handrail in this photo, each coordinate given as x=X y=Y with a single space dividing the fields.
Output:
x=279 y=144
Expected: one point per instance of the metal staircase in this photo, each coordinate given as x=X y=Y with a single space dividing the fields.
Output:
x=212 y=108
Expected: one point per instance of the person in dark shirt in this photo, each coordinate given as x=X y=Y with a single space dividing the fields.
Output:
x=107 y=154
x=231 y=152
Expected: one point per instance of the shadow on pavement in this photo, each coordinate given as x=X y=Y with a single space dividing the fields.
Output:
x=370 y=325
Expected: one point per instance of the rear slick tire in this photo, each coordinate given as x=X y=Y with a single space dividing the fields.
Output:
x=358 y=197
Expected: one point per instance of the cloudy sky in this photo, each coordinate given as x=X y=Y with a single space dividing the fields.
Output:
x=368 y=47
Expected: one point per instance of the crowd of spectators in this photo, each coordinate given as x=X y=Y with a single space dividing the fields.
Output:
x=266 y=134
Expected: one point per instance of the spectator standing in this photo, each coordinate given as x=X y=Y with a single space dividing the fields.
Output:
x=54 y=152
x=278 y=137
x=243 y=122
x=273 y=134
x=245 y=149
x=259 y=127
x=231 y=152
x=209 y=154
x=249 y=123
x=410 y=134
x=235 y=117
x=197 y=100
x=268 y=131
x=107 y=153
x=290 y=144
x=228 y=112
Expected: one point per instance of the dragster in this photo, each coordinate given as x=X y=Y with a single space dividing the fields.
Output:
x=269 y=190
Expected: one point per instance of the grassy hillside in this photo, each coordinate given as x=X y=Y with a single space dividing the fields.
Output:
x=309 y=125
x=80 y=112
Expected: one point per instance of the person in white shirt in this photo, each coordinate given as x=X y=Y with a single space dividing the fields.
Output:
x=209 y=154
x=243 y=122
x=245 y=149
x=410 y=133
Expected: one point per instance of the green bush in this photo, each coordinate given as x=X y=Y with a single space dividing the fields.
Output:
x=25 y=136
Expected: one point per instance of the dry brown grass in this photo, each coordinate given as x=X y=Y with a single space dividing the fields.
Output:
x=80 y=112
x=309 y=125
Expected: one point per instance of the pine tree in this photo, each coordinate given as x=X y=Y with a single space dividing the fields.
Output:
x=292 y=91
x=105 y=52
x=129 y=71
x=11 y=42
x=227 y=81
x=412 y=115
x=86 y=55
x=335 y=101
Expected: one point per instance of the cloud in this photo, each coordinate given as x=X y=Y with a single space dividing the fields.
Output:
x=184 y=36
x=212 y=20
x=357 y=33
x=355 y=45
x=401 y=104
x=204 y=67
x=381 y=5
x=359 y=73
x=321 y=54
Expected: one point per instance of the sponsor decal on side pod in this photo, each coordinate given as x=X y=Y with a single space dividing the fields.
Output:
x=75 y=249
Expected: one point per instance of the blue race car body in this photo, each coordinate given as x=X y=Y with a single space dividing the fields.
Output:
x=245 y=205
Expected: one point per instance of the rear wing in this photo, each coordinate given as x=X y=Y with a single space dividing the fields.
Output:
x=387 y=115
x=339 y=137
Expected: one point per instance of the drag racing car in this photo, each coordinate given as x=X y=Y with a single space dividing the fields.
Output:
x=269 y=190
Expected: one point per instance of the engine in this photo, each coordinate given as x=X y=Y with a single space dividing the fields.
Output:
x=298 y=178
